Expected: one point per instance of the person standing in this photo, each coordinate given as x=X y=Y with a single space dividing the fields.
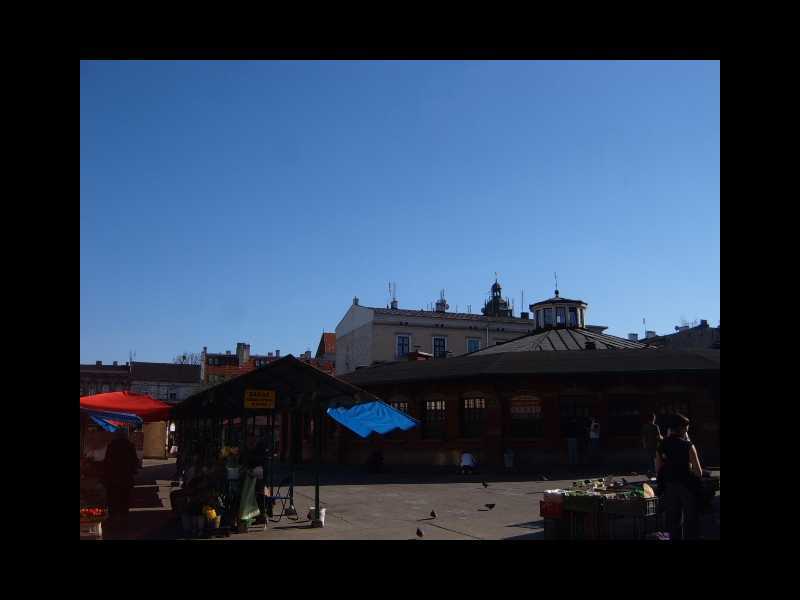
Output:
x=255 y=459
x=679 y=468
x=594 y=440
x=651 y=437
x=572 y=441
x=120 y=465
x=508 y=459
x=468 y=463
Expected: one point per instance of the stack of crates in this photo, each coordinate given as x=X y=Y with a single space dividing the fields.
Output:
x=551 y=509
x=586 y=517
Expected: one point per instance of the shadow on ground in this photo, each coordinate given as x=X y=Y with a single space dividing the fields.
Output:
x=354 y=475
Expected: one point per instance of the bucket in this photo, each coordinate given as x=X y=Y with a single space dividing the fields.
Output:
x=321 y=514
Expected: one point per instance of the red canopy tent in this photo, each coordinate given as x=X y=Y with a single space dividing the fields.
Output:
x=142 y=405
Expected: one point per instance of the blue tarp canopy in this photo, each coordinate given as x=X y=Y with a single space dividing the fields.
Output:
x=109 y=420
x=372 y=417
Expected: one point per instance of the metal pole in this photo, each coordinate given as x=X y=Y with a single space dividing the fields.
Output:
x=315 y=403
x=292 y=414
x=272 y=452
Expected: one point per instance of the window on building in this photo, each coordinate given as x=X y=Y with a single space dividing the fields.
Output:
x=173 y=396
x=548 y=316
x=624 y=415
x=473 y=417
x=667 y=407
x=561 y=315
x=527 y=418
x=434 y=419
x=575 y=407
x=403 y=345
x=473 y=345
x=573 y=317
x=401 y=405
x=439 y=347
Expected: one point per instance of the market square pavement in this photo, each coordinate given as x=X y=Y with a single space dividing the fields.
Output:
x=386 y=506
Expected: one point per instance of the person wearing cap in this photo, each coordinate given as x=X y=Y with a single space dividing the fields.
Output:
x=680 y=472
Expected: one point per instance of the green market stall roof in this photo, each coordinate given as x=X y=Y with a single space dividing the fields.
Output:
x=296 y=385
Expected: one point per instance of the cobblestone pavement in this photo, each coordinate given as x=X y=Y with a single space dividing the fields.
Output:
x=386 y=506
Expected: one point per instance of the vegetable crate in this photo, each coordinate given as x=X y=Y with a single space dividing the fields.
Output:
x=583 y=504
x=551 y=510
x=633 y=507
x=587 y=525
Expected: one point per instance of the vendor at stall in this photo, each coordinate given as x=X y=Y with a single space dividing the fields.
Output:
x=680 y=473
x=120 y=465
x=255 y=458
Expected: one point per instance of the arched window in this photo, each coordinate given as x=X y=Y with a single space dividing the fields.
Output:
x=527 y=418
x=434 y=419
x=624 y=414
x=473 y=416
x=400 y=404
x=668 y=405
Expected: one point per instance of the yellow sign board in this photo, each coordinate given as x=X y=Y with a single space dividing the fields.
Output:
x=259 y=399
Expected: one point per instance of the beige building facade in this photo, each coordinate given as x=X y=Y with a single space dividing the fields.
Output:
x=367 y=335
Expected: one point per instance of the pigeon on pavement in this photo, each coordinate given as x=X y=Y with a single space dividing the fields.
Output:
x=484 y=484
x=433 y=514
x=419 y=532
x=489 y=506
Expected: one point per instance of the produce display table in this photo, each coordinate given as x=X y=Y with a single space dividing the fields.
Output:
x=93 y=507
x=591 y=508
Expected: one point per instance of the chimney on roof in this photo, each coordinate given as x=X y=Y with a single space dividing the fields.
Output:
x=98 y=363
x=634 y=337
x=227 y=351
x=703 y=323
x=277 y=353
x=269 y=354
x=243 y=353
x=523 y=315
x=355 y=300
x=115 y=363
x=649 y=334
x=394 y=304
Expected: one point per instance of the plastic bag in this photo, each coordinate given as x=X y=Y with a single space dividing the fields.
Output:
x=248 y=507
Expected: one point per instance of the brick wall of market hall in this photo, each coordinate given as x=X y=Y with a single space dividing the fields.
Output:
x=622 y=404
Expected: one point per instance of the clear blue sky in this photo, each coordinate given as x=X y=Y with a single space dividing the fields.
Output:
x=250 y=201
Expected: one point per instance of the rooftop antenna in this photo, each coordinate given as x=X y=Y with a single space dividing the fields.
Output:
x=522 y=301
x=555 y=276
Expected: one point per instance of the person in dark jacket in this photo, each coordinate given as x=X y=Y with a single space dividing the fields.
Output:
x=571 y=433
x=680 y=471
x=120 y=465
